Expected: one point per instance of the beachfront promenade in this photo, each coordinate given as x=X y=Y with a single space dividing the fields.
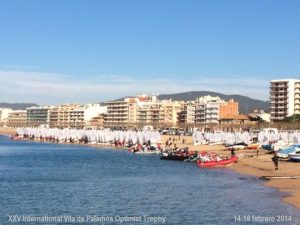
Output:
x=252 y=164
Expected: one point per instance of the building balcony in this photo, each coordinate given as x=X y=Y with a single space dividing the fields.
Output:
x=278 y=98
x=117 y=110
x=277 y=118
x=279 y=89
x=116 y=118
x=279 y=102
x=279 y=84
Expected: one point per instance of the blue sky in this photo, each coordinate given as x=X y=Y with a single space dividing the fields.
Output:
x=61 y=51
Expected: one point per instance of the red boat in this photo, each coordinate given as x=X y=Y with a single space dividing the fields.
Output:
x=223 y=162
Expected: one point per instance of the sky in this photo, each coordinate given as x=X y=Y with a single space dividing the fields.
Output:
x=88 y=51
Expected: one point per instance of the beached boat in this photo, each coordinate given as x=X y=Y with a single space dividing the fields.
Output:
x=192 y=158
x=284 y=153
x=145 y=152
x=174 y=157
x=268 y=148
x=236 y=147
x=223 y=162
x=253 y=146
x=294 y=156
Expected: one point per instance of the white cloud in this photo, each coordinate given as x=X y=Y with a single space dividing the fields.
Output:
x=47 y=88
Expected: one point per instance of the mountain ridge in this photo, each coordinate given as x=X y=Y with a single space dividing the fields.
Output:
x=246 y=104
x=16 y=106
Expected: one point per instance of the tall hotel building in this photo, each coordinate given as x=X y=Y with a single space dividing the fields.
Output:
x=285 y=98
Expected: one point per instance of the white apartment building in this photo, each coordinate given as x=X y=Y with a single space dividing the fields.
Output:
x=190 y=109
x=82 y=115
x=74 y=115
x=285 y=98
x=4 y=112
x=207 y=109
x=203 y=110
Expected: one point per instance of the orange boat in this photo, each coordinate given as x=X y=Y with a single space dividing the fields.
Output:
x=253 y=146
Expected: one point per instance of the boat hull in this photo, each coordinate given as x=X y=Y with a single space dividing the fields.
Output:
x=294 y=157
x=145 y=152
x=174 y=157
x=225 y=162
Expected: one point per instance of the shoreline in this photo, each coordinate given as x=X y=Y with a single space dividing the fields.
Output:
x=253 y=166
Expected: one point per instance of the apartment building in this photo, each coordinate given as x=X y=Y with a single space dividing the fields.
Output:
x=150 y=114
x=186 y=115
x=128 y=112
x=38 y=115
x=96 y=122
x=207 y=109
x=81 y=116
x=60 y=116
x=74 y=115
x=17 y=118
x=285 y=98
x=171 y=111
x=117 y=113
x=158 y=113
x=140 y=111
x=4 y=112
x=228 y=109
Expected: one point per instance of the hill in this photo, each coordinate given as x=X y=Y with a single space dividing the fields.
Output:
x=16 y=106
x=246 y=104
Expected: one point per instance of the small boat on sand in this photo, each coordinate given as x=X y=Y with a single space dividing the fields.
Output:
x=214 y=163
x=284 y=152
x=235 y=147
x=253 y=146
x=294 y=156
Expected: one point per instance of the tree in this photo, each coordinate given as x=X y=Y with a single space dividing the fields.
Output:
x=293 y=118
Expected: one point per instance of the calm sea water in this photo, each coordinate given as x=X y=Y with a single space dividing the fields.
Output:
x=40 y=179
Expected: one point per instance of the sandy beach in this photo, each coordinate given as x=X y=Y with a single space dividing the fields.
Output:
x=250 y=165
x=256 y=166
x=7 y=131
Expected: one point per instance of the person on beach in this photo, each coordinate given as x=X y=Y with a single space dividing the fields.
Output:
x=232 y=152
x=275 y=160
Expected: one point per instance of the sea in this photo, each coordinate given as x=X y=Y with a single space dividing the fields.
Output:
x=44 y=183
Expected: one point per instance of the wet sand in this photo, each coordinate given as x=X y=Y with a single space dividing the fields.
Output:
x=250 y=165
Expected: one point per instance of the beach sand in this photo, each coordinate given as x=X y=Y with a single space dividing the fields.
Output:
x=8 y=131
x=255 y=166
x=250 y=165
